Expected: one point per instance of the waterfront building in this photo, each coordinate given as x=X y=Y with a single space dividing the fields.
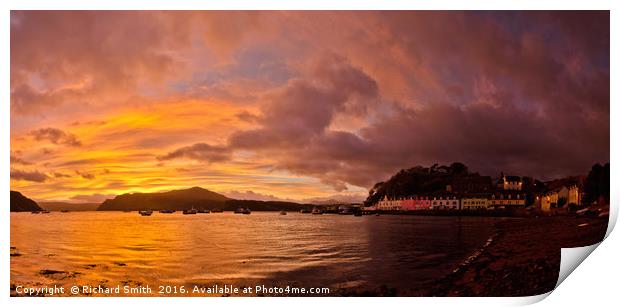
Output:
x=505 y=199
x=416 y=203
x=474 y=202
x=387 y=204
x=445 y=202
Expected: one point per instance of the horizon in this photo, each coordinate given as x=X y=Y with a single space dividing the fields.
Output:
x=247 y=195
x=240 y=103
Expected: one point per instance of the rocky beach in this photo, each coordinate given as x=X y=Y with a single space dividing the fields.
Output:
x=523 y=258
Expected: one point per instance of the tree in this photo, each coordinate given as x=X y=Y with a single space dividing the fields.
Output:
x=458 y=169
x=597 y=184
x=561 y=202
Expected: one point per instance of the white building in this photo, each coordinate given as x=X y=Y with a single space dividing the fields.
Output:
x=510 y=183
x=551 y=199
x=445 y=203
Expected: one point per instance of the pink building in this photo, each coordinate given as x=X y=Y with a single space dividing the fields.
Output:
x=416 y=203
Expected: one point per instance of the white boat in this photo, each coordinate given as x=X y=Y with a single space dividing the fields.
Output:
x=317 y=211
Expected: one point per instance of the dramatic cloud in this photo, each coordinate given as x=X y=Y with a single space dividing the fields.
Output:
x=86 y=175
x=60 y=175
x=55 y=136
x=301 y=105
x=18 y=160
x=199 y=151
x=34 y=176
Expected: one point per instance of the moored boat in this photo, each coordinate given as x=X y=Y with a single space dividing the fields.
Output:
x=246 y=211
x=44 y=212
x=317 y=211
x=283 y=212
x=358 y=213
x=64 y=211
x=239 y=210
x=304 y=211
x=35 y=212
x=190 y=211
x=204 y=211
x=167 y=211
x=145 y=212
x=217 y=210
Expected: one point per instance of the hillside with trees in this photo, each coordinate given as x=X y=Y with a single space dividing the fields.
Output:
x=420 y=180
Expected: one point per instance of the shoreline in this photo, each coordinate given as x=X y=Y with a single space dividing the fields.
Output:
x=514 y=262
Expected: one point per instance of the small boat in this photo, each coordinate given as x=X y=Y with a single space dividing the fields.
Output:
x=304 y=211
x=204 y=211
x=282 y=212
x=35 y=212
x=190 y=211
x=45 y=212
x=239 y=210
x=377 y=214
x=64 y=211
x=217 y=210
x=246 y=211
x=145 y=212
x=317 y=211
x=168 y=211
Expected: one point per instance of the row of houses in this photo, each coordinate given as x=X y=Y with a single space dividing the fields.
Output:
x=471 y=202
x=477 y=193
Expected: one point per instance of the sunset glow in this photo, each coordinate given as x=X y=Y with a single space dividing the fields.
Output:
x=299 y=105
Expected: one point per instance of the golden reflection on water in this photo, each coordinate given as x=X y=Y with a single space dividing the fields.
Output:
x=112 y=248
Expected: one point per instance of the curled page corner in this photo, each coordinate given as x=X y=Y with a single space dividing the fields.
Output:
x=613 y=215
x=571 y=258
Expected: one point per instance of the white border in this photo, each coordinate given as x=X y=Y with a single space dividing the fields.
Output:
x=595 y=283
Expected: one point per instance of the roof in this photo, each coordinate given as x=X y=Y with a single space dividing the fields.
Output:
x=512 y=178
x=564 y=182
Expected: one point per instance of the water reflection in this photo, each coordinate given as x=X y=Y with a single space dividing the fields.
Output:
x=295 y=249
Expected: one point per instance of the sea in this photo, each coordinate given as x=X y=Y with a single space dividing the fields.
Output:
x=175 y=254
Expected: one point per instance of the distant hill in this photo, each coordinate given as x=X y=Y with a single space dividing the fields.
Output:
x=329 y=202
x=195 y=197
x=20 y=203
x=59 y=206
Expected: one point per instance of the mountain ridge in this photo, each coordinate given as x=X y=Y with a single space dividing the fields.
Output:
x=182 y=199
x=21 y=203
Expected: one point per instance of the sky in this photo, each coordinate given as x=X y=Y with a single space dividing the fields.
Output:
x=299 y=105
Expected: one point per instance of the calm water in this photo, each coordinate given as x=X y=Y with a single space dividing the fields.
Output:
x=302 y=250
